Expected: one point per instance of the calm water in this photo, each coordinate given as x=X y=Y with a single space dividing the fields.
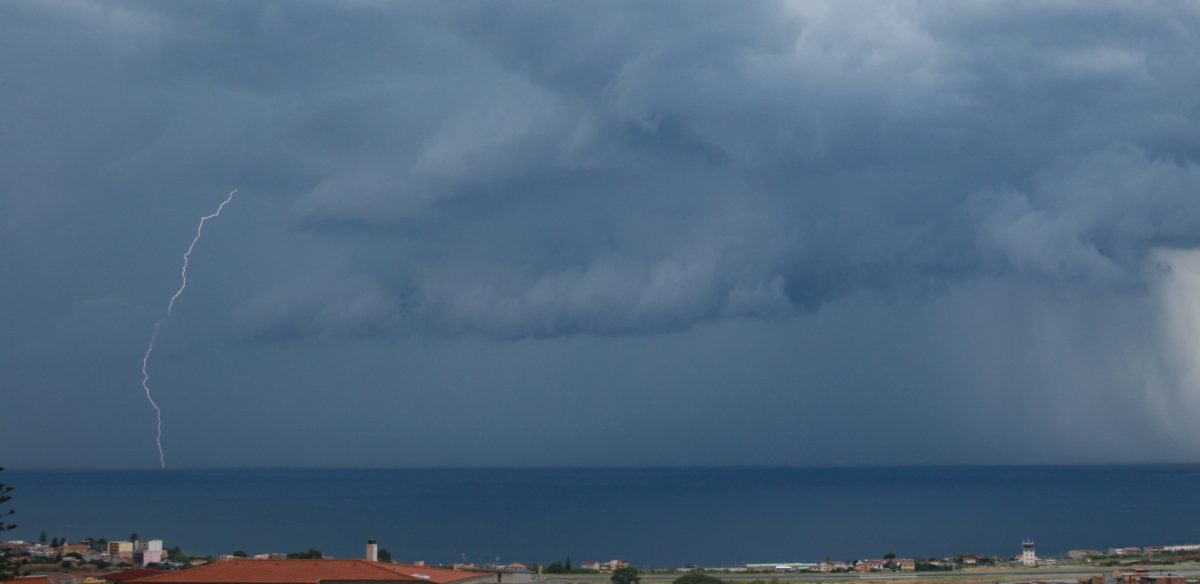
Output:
x=653 y=517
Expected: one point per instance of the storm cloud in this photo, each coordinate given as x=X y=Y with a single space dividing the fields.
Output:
x=945 y=210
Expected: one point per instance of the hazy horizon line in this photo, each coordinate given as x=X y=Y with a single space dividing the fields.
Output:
x=1080 y=465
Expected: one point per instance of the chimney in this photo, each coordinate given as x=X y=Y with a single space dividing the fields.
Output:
x=372 y=551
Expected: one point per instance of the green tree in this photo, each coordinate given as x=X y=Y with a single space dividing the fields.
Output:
x=889 y=556
x=625 y=576
x=4 y=498
x=239 y=554
x=385 y=556
x=309 y=554
x=5 y=572
x=696 y=578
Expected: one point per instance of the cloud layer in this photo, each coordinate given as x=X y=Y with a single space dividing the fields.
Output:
x=980 y=179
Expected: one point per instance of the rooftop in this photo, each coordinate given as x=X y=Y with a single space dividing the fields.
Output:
x=307 y=572
x=127 y=575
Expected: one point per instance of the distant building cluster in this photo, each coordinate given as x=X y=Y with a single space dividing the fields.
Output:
x=863 y=566
x=139 y=553
x=609 y=566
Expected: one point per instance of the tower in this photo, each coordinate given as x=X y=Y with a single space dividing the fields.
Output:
x=1028 y=554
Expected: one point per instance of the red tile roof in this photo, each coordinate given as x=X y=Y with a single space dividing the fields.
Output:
x=307 y=572
x=127 y=575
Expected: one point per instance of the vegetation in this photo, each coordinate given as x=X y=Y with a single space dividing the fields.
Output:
x=309 y=554
x=933 y=565
x=563 y=567
x=4 y=498
x=98 y=544
x=5 y=572
x=239 y=554
x=385 y=556
x=695 y=578
x=175 y=554
x=625 y=576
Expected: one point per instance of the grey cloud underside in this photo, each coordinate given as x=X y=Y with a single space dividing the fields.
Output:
x=762 y=212
x=640 y=169
x=548 y=169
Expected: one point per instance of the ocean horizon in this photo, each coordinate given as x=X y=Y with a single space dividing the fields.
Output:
x=654 y=517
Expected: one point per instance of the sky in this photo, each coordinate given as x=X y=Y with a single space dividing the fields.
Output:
x=600 y=233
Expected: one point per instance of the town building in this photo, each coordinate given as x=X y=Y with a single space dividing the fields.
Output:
x=614 y=565
x=833 y=567
x=78 y=549
x=41 y=550
x=1125 y=551
x=1162 y=579
x=121 y=550
x=148 y=552
x=870 y=565
x=1130 y=575
x=781 y=567
x=1194 y=547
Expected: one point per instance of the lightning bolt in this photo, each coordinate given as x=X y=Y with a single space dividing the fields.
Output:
x=188 y=254
x=162 y=459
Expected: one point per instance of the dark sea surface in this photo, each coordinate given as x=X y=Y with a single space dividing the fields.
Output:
x=652 y=517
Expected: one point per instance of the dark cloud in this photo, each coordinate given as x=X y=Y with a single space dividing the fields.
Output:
x=830 y=184
x=870 y=145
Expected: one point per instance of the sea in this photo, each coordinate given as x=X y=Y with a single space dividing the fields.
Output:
x=652 y=517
